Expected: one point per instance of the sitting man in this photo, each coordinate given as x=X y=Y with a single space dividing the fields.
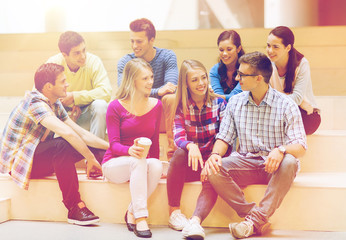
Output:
x=29 y=150
x=165 y=69
x=89 y=88
x=271 y=137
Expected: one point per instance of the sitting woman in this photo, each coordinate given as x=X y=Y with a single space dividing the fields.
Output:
x=133 y=114
x=222 y=75
x=198 y=115
x=291 y=75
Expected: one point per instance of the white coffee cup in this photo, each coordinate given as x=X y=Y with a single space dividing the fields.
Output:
x=144 y=143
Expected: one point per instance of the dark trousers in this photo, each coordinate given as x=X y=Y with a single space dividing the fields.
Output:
x=311 y=122
x=57 y=155
x=178 y=173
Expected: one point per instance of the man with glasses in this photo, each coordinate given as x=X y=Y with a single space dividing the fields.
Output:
x=271 y=137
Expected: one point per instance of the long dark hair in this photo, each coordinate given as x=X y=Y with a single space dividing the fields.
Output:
x=222 y=70
x=294 y=57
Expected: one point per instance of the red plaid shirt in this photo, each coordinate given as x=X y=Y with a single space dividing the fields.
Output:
x=199 y=126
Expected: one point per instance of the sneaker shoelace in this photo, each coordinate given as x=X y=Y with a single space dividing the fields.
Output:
x=249 y=226
x=86 y=212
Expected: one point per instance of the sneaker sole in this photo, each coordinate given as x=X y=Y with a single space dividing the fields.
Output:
x=175 y=228
x=195 y=237
x=264 y=228
x=83 y=223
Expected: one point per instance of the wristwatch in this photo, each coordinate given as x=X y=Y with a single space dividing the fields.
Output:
x=282 y=149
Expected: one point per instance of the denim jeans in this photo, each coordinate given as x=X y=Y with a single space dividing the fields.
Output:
x=178 y=173
x=237 y=172
x=143 y=174
x=59 y=157
x=93 y=118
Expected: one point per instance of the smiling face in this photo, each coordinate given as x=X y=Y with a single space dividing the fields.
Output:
x=228 y=52
x=197 y=83
x=59 y=89
x=76 y=58
x=144 y=81
x=276 y=50
x=141 y=45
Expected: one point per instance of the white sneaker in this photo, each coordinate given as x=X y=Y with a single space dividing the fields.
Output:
x=242 y=230
x=177 y=220
x=193 y=230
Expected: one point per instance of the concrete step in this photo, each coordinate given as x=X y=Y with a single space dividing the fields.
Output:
x=333 y=112
x=324 y=154
x=314 y=202
x=5 y=209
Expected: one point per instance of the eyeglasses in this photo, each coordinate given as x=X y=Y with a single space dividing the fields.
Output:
x=241 y=75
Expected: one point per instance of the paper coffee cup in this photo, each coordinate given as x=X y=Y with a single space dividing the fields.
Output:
x=144 y=143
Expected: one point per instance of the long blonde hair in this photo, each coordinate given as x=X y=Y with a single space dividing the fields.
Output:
x=183 y=94
x=127 y=89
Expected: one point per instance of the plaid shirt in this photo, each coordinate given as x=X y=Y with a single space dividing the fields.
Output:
x=22 y=134
x=199 y=126
x=276 y=121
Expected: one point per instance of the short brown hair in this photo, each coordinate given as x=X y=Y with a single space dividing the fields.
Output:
x=143 y=24
x=47 y=73
x=68 y=40
x=259 y=62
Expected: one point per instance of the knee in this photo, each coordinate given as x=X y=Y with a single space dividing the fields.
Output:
x=214 y=178
x=289 y=164
x=155 y=166
x=99 y=107
x=179 y=158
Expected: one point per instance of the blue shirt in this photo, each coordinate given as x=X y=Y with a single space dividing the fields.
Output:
x=215 y=82
x=164 y=66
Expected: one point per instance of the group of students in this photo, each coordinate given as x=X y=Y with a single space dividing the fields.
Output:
x=204 y=116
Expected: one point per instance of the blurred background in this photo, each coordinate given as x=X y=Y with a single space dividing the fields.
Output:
x=38 y=16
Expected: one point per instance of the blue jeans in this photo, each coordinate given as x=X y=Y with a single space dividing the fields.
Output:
x=93 y=118
x=178 y=174
x=237 y=172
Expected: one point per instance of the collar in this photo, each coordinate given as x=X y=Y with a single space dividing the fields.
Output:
x=267 y=100
x=192 y=104
x=38 y=95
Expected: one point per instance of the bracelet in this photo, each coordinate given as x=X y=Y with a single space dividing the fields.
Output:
x=214 y=153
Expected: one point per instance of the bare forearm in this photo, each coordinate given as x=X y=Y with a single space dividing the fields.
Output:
x=297 y=150
x=94 y=141
x=220 y=147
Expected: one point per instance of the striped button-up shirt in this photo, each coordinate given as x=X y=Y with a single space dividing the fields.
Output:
x=22 y=134
x=199 y=126
x=276 y=121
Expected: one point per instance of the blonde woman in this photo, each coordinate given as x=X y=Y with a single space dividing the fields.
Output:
x=133 y=114
x=198 y=113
